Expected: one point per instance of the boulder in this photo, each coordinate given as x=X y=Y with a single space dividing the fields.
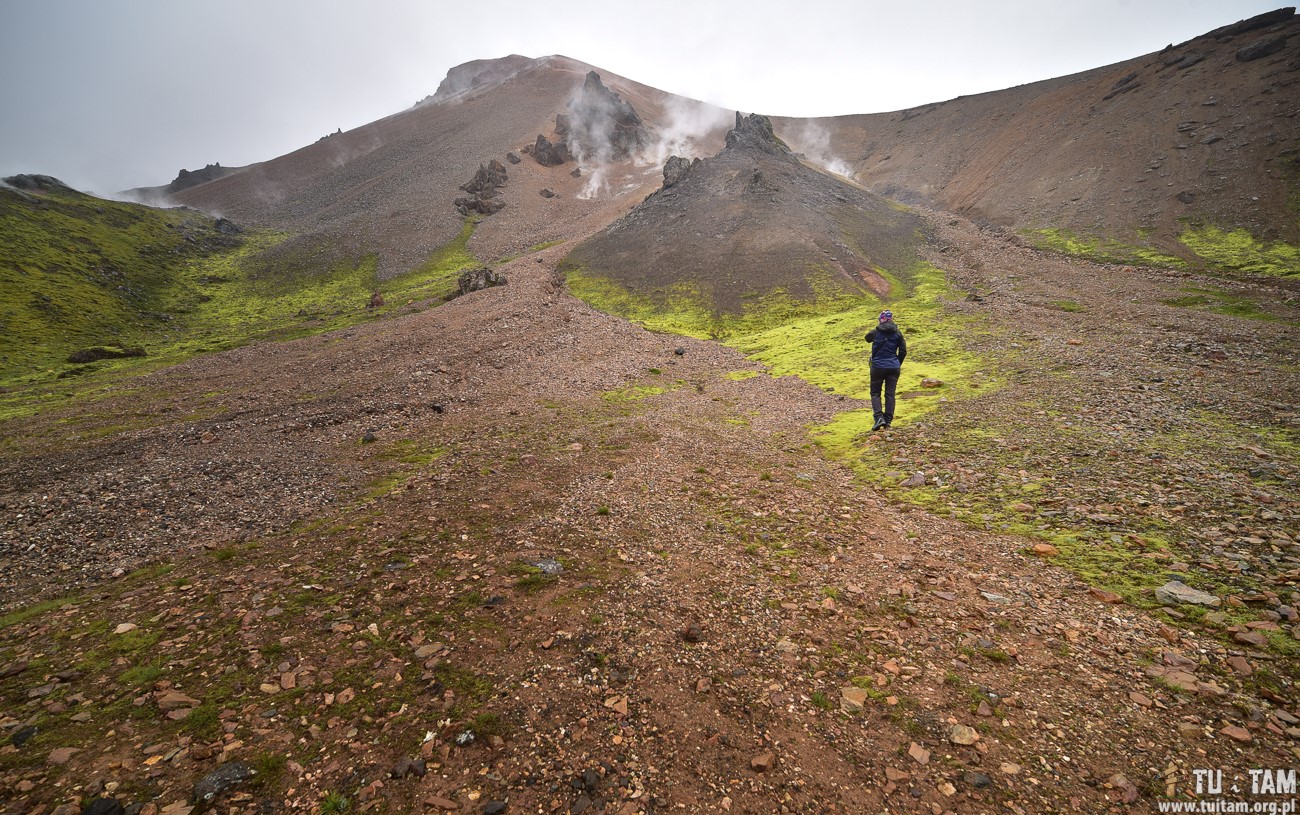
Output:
x=549 y=155
x=676 y=168
x=479 y=279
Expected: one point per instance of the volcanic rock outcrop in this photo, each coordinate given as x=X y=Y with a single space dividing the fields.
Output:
x=600 y=126
x=752 y=220
x=482 y=189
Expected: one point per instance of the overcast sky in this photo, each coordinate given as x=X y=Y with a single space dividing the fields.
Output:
x=112 y=94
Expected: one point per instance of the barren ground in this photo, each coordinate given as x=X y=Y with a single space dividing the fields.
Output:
x=324 y=607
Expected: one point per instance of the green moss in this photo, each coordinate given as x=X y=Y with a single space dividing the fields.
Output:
x=1102 y=250
x=78 y=272
x=1239 y=251
x=1204 y=299
x=632 y=393
x=35 y=610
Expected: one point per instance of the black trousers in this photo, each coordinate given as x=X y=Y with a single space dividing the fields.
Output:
x=888 y=378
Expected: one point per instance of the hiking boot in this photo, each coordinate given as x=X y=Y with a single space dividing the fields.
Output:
x=879 y=424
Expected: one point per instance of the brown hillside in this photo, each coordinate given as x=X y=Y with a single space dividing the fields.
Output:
x=751 y=220
x=388 y=187
x=1192 y=131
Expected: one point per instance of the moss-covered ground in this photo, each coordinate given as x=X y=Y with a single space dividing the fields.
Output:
x=146 y=288
x=1232 y=251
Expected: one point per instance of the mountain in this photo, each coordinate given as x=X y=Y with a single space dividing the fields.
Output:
x=363 y=532
x=1202 y=132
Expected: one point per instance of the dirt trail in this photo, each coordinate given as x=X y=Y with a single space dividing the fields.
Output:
x=330 y=607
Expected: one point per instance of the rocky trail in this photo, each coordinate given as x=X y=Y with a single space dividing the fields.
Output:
x=510 y=554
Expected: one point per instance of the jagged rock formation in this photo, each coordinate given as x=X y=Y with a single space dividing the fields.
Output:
x=748 y=222
x=676 y=168
x=186 y=178
x=599 y=126
x=479 y=279
x=547 y=154
x=482 y=189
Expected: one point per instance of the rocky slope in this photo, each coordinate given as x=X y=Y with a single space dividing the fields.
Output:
x=1203 y=130
x=750 y=221
x=512 y=554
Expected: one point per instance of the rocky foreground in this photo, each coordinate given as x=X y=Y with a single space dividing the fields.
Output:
x=513 y=555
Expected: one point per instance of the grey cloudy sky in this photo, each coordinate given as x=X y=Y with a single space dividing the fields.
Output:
x=112 y=94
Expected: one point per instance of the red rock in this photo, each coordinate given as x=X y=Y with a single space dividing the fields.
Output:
x=896 y=775
x=919 y=754
x=1106 y=596
x=173 y=699
x=1121 y=789
x=1045 y=550
x=1240 y=665
x=441 y=803
x=62 y=755
x=763 y=763
x=1236 y=733
x=1251 y=638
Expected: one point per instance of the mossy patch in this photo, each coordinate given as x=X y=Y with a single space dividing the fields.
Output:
x=151 y=288
x=1239 y=251
x=1220 y=302
x=1102 y=250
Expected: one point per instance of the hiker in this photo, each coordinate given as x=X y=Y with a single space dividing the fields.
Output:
x=888 y=350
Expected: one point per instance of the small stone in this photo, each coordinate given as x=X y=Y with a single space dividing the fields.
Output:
x=62 y=755
x=1189 y=731
x=1045 y=550
x=977 y=780
x=963 y=734
x=853 y=699
x=983 y=709
x=930 y=382
x=1240 y=665
x=13 y=669
x=220 y=780
x=1236 y=733
x=1121 y=789
x=125 y=627
x=896 y=775
x=103 y=806
x=692 y=632
x=494 y=808
x=915 y=480
x=1009 y=768
x=919 y=754
x=173 y=699
x=703 y=685
x=1251 y=638
x=762 y=763
x=1176 y=592
x=1140 y=699
x=441 y=803
x=1106 y=596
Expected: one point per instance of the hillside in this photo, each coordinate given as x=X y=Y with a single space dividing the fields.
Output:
x=1132 y=156
x=749 y=223
x=615 y=536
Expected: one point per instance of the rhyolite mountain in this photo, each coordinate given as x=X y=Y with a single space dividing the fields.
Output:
x=1200 y=132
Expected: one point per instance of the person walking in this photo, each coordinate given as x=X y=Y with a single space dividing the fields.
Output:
x=888 y=350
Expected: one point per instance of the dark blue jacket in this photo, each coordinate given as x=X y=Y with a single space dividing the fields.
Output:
x=888 y=348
